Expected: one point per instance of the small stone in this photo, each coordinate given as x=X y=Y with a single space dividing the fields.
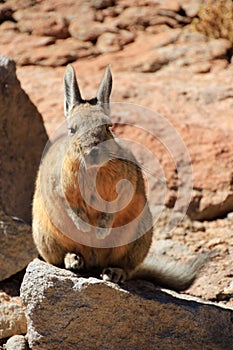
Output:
x=111 y=42
x=230 y=216
x=8 y=26
x=171 y=5
x=214 y=242
x=90 y=33
x=12 y=317
x=102 y=4
x=17 y=342
x=191 y=7
x=198 y=226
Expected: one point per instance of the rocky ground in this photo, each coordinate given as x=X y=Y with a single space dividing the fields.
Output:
x=158 y=62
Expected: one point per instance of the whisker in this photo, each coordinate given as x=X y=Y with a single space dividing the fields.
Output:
x=140 y=165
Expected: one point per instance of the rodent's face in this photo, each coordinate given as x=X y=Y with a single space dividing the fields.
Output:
x=90 y=138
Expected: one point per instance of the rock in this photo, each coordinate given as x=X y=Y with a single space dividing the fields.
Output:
x=58 y=54
x=87 y=32
x=12 y=317
x=5 y=13
x=22 y=140
x=171 y=5
x=102 y=4
x=230 y=216
x=125 y=37
x=8 y=26
x=110 y=42
x=229 y=290
x=191 y=7
x=20 y=4
x=160 y=21
x=42 y=24
x=90 y=314
x=17 y=247
x=46 y=51
x=108 y=14
x=134 y=16
x=213 y=192
x=81 y=27
x=10 y=40
x=186 y=51
x=209 y=205
x=138 y=17
x=17 y=342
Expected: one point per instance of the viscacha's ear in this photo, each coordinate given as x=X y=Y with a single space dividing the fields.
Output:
x=104 y=91
x=72 y=94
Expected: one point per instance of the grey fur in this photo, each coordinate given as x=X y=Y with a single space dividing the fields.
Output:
x=168 y=273
x=72 y=92
x=105 y=89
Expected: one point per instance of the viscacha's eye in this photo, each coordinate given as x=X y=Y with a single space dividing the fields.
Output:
x=72 y=131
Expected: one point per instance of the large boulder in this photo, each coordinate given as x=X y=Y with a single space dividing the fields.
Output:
x=65 y=311
x=22 y=140
x=17 y=246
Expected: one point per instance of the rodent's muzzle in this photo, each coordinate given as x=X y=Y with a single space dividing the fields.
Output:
x=98 y=156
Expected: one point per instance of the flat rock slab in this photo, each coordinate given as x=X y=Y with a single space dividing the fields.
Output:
x=65 y=311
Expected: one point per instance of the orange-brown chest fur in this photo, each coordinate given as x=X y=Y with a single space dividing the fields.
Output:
x=82 y=187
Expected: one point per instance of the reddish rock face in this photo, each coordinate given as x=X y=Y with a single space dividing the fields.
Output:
x=197 y=104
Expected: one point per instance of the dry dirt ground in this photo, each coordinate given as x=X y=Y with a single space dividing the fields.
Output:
x=163 y=66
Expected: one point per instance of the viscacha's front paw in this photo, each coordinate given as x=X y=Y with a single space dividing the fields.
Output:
x=114 y=274
x=74 y=262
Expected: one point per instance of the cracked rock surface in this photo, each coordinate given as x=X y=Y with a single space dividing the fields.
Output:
x=69 y=312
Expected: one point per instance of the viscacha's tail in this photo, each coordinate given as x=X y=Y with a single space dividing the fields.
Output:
x=165 y=272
